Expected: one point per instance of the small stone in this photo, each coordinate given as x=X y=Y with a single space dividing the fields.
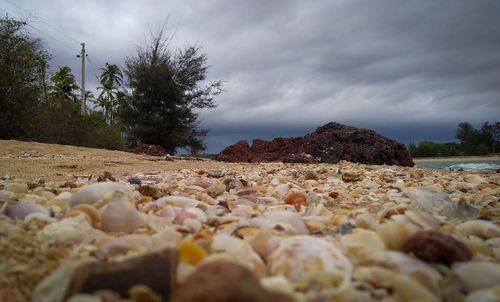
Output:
x=334 y=194
x=134 y=181
x=216 y=189
x=150 y=191
x=310 y=175
x=435 y=246
x=221 y=281
x=105 y=177
x=69 y=184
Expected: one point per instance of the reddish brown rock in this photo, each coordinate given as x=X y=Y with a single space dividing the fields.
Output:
x=223 y=281
x=434 y=246
x=329 y=144
x=154 y=150
x=239 y=152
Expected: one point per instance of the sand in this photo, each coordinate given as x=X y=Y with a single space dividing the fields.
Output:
x=54 y=162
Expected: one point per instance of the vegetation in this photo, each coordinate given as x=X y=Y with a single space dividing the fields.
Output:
x=160 y=108
x=472 y=142
x=166 y=91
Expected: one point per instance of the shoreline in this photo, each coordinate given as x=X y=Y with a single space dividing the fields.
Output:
x=458 y=159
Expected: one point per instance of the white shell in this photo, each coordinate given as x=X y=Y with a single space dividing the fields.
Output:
x=92 y=193
x=304 y=258
x=119 y=216
x=480 y=228
x=477 y=274
x=21 y=210
x=288 y=217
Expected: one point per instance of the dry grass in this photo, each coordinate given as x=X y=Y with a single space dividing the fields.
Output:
x=60 y=162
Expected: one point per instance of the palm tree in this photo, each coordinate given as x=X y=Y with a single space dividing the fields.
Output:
x=105 y=99
x=64 y=84
x=111 y=78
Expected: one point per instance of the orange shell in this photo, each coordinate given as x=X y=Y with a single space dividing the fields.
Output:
x=191 y=253
x=296 y=199
x=89 y=210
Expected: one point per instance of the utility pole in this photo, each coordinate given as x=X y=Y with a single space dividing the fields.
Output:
x=83 y=79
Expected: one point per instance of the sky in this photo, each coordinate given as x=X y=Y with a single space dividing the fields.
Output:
x=410 y=70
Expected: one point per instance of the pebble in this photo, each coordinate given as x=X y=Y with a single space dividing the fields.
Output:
x=270 y=232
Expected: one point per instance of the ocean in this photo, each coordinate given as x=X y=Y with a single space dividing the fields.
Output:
x=484 y=166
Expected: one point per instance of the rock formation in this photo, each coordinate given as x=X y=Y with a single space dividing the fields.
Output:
x=154 y=150
x=329 y=144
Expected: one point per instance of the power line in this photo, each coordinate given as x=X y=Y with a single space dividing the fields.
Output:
x=92 y=67
x=55 y=39
x=43 y=32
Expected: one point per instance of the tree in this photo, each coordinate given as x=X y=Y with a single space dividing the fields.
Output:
x=111 y=79
x=23 y=66
x=166 y=90
x=64 y=85
x=491 y=134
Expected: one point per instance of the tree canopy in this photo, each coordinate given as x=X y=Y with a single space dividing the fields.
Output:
x=167 y=89
x=472 y=142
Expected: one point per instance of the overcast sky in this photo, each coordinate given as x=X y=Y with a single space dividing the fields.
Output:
x=410 y=70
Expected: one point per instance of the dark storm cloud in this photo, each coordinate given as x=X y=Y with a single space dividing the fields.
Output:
x=405 y=69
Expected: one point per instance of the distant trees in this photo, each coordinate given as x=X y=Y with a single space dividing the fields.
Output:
x=34 y=108
x=166 y=90
x=472 y=142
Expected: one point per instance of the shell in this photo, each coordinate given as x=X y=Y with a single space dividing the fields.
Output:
x=92 y=193
x=21 y=210
x=124 y=244
x=68 y=230
x=288 y=217
x=426 y=220
x=477 y=274
x=204 y=197
x=304 y=258
x=113 y=197
x=179 y=201
x=485 y=295
x=415 y=268
x=191 y=253
x=362 y=242
x=119 y=216
x=241 y=251
x=91 y=212
x=393 y=234
x=296 y=199
x=480 y=228
x=411 y=290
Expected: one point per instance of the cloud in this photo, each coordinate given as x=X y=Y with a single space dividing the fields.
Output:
x=291 y=66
